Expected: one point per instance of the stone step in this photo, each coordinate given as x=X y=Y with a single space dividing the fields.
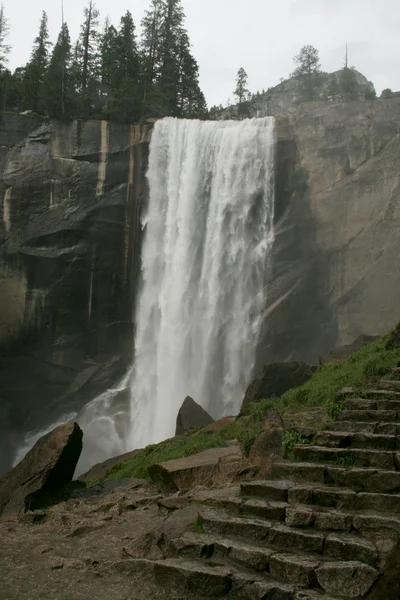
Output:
x=298 y=535
x=364 y=427
x=194 y=579
x=383 y=416
x=204 y=579
x=393 y=394
x=257 y=507
x=343 y=439
x=206 y=546
x=371 y=404
x=282 y=565
x=390 y=384
x=344 y=499
x=285 y=567
x=346 y=579
x=337 y=545
x=346 y=457
x=224 y=524
x=346 y=505
x=268 y=489
x=358 y=479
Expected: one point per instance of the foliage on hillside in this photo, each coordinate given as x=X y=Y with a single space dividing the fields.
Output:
x=359 y=371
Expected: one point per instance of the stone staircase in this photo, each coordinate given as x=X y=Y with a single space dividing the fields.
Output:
x=320 y=529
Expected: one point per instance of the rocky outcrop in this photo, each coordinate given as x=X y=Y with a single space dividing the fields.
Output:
x=347 y=350
x=190 y=416
x=276 y=379
x=42 y=473
x=70 y=202
x=284 y=99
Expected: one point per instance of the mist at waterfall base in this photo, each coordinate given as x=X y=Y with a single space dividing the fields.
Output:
x=205 y=258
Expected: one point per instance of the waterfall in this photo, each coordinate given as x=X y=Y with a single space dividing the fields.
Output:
x=207 y=243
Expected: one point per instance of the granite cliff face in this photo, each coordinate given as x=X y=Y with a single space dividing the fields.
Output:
x=70 y=202
x=335 y=273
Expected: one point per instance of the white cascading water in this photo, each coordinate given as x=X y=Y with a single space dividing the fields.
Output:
x=208 y=236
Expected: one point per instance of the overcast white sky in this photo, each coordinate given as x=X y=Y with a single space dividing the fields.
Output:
x=260 y=35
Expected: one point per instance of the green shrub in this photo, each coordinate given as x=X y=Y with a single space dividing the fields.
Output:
x=290 y=440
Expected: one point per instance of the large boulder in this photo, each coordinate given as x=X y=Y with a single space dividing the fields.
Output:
x=37 y=479
x=216 y=466
x=191 y=415
x=276 y=379
x=269 y=445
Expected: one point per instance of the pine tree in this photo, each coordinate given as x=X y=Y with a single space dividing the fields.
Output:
x=108 y=66
x=4 y=33
x=171 y=31
x=36 y=68
x=150 y=46
x=191 y=102
x=87 y=59
x=58 y=91
x=128 y=92
x=308 y=70
x=241 y=93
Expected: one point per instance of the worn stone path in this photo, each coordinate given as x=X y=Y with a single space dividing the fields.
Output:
x=321 y=528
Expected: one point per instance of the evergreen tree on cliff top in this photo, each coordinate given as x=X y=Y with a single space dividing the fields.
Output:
x=308 y=69
x=128 y=74
x=120 y=71
x=150 y=46
x=108 y=67
x=87 y=61
x=191 y=102
x=171 y=82
x=36 y=68
x=242 y=93
x=4 y=33
x=58 y=92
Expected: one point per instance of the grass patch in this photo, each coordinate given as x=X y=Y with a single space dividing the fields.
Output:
x=198 y=525
x=178 y=447
x=359 y=371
